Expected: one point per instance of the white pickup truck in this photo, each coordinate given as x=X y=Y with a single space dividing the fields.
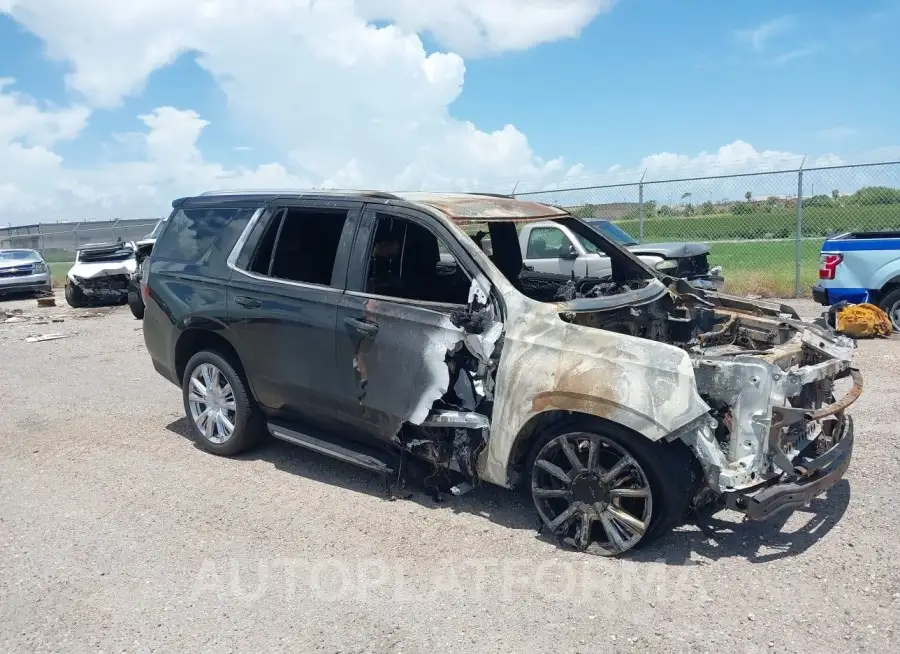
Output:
x=549 y=247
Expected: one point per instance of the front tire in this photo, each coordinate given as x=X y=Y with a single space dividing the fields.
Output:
x=604 y=490
x=218 y=406
x=75 y=296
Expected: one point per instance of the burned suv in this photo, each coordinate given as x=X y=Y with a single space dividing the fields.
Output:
x=373 y=328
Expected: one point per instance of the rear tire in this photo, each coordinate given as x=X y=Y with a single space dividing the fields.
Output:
x=75 y=296
x=213 y=388
x=608 y=516
x=890 y=303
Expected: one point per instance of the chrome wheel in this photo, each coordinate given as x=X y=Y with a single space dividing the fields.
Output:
x=211 y=401
x=895 y=316
x=592 y=493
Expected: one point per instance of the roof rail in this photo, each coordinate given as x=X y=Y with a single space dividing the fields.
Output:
x=295 y=191
x=492 y=195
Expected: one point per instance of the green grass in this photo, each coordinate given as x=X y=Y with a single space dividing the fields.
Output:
x=779 y=223
x=766 y=269
x=58 y=270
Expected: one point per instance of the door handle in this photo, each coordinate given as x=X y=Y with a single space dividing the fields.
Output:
x=248 y=302
x=363 y=327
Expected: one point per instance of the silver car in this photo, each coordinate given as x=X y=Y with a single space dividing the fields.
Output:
x=23 y=271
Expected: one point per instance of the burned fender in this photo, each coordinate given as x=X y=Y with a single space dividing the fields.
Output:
x=547 y=364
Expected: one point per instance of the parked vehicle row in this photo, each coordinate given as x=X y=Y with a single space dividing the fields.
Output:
x=376 y=329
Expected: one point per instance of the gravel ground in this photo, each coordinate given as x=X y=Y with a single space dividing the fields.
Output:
x=118 y=534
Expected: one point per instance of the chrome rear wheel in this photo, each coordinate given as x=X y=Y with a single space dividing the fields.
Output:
x=212 y=404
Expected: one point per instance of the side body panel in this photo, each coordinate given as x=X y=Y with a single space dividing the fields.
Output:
x=187 y=295
x=548 y=364
x=285 y=330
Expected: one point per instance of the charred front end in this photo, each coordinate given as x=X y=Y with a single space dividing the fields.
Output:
x=777 y=433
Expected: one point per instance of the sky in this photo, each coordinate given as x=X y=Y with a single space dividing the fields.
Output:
x=113 y=109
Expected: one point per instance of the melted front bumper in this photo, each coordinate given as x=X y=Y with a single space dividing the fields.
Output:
x=809 y=477
x=781 y=496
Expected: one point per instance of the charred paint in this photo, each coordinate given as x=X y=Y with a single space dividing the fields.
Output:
x=480 y=208
x=548 y=364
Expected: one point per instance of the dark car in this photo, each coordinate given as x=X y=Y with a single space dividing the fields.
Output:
x=374 y=328
x=684 y=259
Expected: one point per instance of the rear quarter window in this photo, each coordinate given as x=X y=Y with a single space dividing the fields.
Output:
x=191 y=232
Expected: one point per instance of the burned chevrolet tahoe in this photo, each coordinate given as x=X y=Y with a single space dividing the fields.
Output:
x=384 y=331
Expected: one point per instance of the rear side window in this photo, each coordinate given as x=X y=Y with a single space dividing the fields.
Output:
x=191 y=232
x=300 y=245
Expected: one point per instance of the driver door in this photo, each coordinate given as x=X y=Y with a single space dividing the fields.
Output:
x=393 y=325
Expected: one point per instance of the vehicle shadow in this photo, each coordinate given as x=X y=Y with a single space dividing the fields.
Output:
x=711 y=537
x=715 y=538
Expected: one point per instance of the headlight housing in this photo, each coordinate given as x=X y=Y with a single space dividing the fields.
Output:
x=40 y=267
x=667 y=265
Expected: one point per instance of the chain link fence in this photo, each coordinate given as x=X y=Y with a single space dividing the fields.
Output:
x=57 y=242
x=765 y=229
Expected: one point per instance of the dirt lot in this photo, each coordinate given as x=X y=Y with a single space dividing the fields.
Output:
x=118 y=534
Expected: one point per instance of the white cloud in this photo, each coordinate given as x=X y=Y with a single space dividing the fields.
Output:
x=26 y=121
x=479 y=26
x=346 y=102
x=36 y=183
x=797 y=53
x=758 y=37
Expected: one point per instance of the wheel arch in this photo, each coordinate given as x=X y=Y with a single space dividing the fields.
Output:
x=889 y=286
x=197 y=339
x=554 y=420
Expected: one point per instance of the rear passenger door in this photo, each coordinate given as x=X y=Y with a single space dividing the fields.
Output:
x=282 y=305
x=407 y=274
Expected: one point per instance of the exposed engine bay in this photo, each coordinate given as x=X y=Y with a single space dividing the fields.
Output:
x=767 y=376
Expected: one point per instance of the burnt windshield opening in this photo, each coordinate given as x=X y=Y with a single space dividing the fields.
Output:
x=108 y=254
x=559 y=259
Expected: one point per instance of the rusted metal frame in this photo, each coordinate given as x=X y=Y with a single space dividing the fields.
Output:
x=785 y=416
x=839 y=406
x=466 y=220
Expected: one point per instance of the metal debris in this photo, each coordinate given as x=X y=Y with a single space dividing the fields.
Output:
x=10 y=315
x=46 y=337
x=462 y=489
